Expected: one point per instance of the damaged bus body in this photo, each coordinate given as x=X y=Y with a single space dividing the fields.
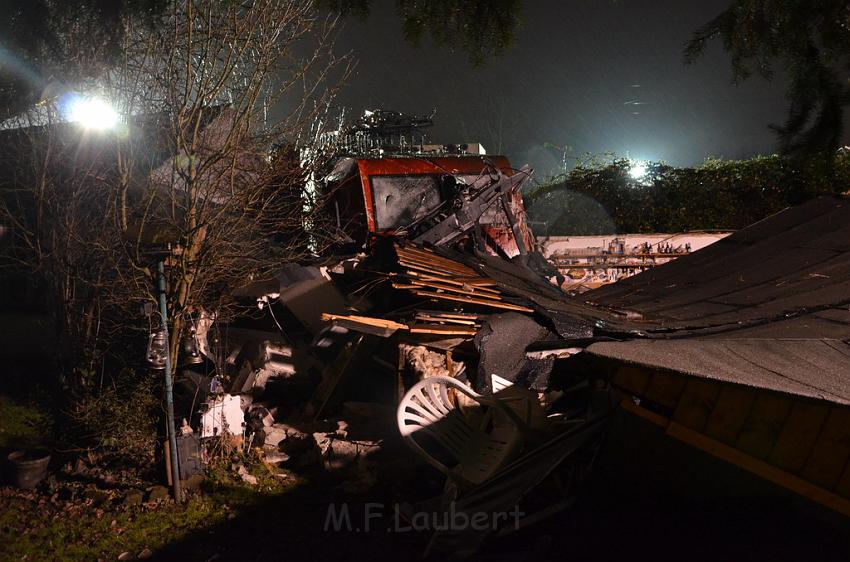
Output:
x=447 y=194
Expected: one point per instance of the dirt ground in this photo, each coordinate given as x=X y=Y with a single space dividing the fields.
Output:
x=649 y=498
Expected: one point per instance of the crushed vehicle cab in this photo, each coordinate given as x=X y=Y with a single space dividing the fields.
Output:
x=467 y=195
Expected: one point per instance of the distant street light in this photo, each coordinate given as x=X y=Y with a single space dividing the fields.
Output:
x=92 y=113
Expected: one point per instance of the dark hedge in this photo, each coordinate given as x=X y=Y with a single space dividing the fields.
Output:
x=719 y=194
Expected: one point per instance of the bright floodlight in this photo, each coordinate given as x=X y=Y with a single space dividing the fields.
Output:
x=637 y=170
x=93 y=113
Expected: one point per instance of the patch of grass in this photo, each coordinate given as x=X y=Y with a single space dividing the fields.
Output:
x=33 y=527
x=23 y=425
x=89 y=534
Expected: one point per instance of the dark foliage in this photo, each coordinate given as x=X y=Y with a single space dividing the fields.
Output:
x=481 y=29
x=812 y=42
x=604 y=198
x=49 y=44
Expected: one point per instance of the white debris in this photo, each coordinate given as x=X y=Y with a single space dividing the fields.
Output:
x=274 y=435
x=247 y=476
x=273 y=456
x=223 y=415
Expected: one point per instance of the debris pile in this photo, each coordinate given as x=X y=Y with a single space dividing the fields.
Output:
x=438 y=278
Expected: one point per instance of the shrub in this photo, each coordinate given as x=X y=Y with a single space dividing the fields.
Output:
x=602 y=198
x=118 y=420
x=24 y=425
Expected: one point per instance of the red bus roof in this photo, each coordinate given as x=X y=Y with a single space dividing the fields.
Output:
x=467 y=164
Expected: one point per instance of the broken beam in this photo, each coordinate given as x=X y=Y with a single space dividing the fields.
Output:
x=471 y=300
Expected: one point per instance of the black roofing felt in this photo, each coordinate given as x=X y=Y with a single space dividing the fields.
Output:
x=768 y=306
x=811 y=368
x=795 y=261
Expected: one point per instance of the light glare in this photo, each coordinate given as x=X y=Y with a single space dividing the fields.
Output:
x=637 y=170
x=93 y=113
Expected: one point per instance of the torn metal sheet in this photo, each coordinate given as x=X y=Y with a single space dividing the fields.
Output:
x=471 y=204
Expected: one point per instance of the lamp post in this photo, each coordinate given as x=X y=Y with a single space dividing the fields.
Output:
x=94 y=113
x=169 y=393
x=159 y=357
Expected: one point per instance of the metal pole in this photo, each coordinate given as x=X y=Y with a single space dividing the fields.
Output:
x=169 y=395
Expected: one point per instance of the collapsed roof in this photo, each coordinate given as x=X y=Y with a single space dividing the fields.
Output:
x=767 y=307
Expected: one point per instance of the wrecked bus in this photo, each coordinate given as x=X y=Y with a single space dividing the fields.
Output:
x=469 y=195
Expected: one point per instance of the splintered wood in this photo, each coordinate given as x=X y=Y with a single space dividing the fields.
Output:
x=428 y=275
x=366 y=324
x=385 y=328
x=435 y=277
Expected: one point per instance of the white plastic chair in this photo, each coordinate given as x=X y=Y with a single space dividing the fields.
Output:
x=479 y=450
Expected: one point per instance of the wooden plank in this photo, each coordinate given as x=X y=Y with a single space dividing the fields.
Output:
x=760 y=468
x=443 y=330
x=831 y=451
x=632 y=379
x=665 y=389
x=450 y=314
x=426 y=269
x=438 y=319
x=403 y=286
x=696 y=403
x=478 y=281
x=460 y=291
x=764 y=424
x=798 y=435
x=333 y=374
x=377 y=326
x=739 y=458
x=629 y=405
x=430 y=257
x=413 y=249
x=471 y=300
x=447 y=267
x=435 y=260
x=443 y=268
x=451 y=285
x=730 y=413
x=369 y=320
x=458 y=282
x=436 y=271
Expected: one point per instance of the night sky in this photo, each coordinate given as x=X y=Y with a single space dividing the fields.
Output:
x=594 y=75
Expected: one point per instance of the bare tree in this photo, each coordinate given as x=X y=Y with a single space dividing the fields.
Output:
x=219 y=103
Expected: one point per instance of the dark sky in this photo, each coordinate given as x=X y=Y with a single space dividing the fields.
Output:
x=568 y=81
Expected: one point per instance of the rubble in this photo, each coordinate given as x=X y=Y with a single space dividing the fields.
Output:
x=274 y=435
x=502 y=342
x=274 y=456
x=302 y=449
x=223 y=416
x=445 y=283
x=246 y=476
x=426 y=363
x=441 y=278
x=261 y=413
x=343 y=453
